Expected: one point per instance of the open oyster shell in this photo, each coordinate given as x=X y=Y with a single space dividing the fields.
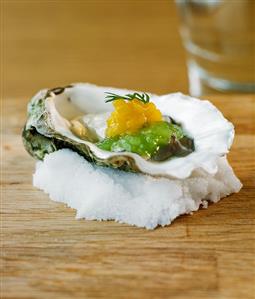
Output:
x=49 y=128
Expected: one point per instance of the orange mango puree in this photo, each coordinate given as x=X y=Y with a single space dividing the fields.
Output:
x=130 y=116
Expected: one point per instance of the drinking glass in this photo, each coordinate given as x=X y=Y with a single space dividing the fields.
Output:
x=219 y=38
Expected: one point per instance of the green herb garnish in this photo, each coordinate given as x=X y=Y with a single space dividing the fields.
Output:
x=143 y=97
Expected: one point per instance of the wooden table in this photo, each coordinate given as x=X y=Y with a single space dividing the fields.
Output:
x=46 y=253
x=127 y=43
x=49 y=254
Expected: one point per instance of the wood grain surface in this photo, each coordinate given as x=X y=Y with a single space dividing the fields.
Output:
x=49 y=254
x=45 y=252
x=127 y=43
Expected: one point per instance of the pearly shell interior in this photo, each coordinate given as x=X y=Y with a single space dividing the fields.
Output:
x=200 y=119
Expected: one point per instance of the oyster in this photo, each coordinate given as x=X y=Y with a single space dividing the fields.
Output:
x=75 y=117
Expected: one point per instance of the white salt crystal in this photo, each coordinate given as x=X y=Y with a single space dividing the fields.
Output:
x=107 y=194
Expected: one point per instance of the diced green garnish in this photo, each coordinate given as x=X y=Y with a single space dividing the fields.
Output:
x=146 y=141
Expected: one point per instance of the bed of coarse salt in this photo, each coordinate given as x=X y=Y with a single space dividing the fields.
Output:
x=100 y=193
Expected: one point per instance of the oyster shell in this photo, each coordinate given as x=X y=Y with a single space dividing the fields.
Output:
x=50 y=127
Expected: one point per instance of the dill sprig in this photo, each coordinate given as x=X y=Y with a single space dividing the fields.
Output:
x=143 y=97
